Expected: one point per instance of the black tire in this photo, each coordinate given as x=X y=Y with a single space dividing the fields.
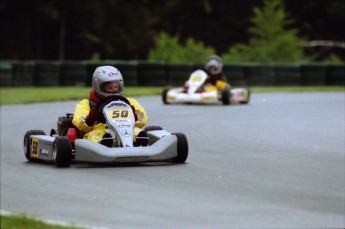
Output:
x=62 y=151
x=225 y=97
x=182 y=148
x=149 y=128
x=27 y=142
x=164 y=95
x=63 y=124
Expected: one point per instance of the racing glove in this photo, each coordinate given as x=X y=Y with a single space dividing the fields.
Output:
x=135 y=114
x=92 y=116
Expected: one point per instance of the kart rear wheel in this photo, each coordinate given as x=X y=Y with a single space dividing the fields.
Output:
x=164 y=95
x=62 y=151
x=27 y=142
x=182 y=148
x=149 y=128
x=225 y=97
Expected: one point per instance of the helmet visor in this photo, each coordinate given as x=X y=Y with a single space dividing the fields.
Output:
x=213 y=70
x=112 y=87
x=213 y=67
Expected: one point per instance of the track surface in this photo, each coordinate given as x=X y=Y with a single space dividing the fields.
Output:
x=278 y=162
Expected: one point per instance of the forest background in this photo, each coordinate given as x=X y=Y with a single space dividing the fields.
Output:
x=173 y=31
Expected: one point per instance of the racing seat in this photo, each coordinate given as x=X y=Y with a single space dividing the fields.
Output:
x=65 y=127
x=63 y=123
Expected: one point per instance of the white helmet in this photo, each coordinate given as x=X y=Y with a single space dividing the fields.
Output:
x=104 y=75
x=214 y=65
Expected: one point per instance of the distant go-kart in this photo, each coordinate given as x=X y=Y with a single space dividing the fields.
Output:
x=199 y=92
x=66 y=145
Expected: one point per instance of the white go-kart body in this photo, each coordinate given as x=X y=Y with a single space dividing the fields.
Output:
x=208 y=95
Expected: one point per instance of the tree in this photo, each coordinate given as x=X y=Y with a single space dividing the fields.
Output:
x=112 y=29
x=272 y=41
x=169 y=49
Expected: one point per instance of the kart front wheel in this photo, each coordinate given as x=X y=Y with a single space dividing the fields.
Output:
x=27 y=142
x=182 y=148
x=62 y=152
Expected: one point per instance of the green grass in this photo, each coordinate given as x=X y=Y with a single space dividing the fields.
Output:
x=22 y=95
x=19 y=95
x=23 y=221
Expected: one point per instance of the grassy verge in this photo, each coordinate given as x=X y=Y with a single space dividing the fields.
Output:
x=22 y=221
x=20 y=95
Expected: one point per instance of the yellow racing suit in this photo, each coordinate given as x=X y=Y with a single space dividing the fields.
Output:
x=216 y=82
x=96 y=132
x=219 y=86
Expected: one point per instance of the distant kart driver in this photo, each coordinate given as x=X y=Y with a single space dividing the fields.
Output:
x=216 y=80
x=216 y=77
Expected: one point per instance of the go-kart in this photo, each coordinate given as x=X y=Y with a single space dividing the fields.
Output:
x=66 y=145
x=198 y=91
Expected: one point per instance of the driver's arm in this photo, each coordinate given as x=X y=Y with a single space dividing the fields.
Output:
x=81 y=112
x=141 y=113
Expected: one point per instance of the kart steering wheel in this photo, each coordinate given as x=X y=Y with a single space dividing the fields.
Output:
x=111 y=98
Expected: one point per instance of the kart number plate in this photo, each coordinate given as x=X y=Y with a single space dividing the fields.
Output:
x=119 y=114
x=35 y=147
x=196 y=78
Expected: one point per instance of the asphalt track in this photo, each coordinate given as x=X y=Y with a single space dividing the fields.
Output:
x=278 y=162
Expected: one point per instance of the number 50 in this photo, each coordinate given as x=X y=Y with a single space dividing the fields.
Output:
x=118 y=114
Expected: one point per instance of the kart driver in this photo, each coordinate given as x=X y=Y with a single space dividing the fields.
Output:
x=214 y=70
x=216 y=80
x=88 y=117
